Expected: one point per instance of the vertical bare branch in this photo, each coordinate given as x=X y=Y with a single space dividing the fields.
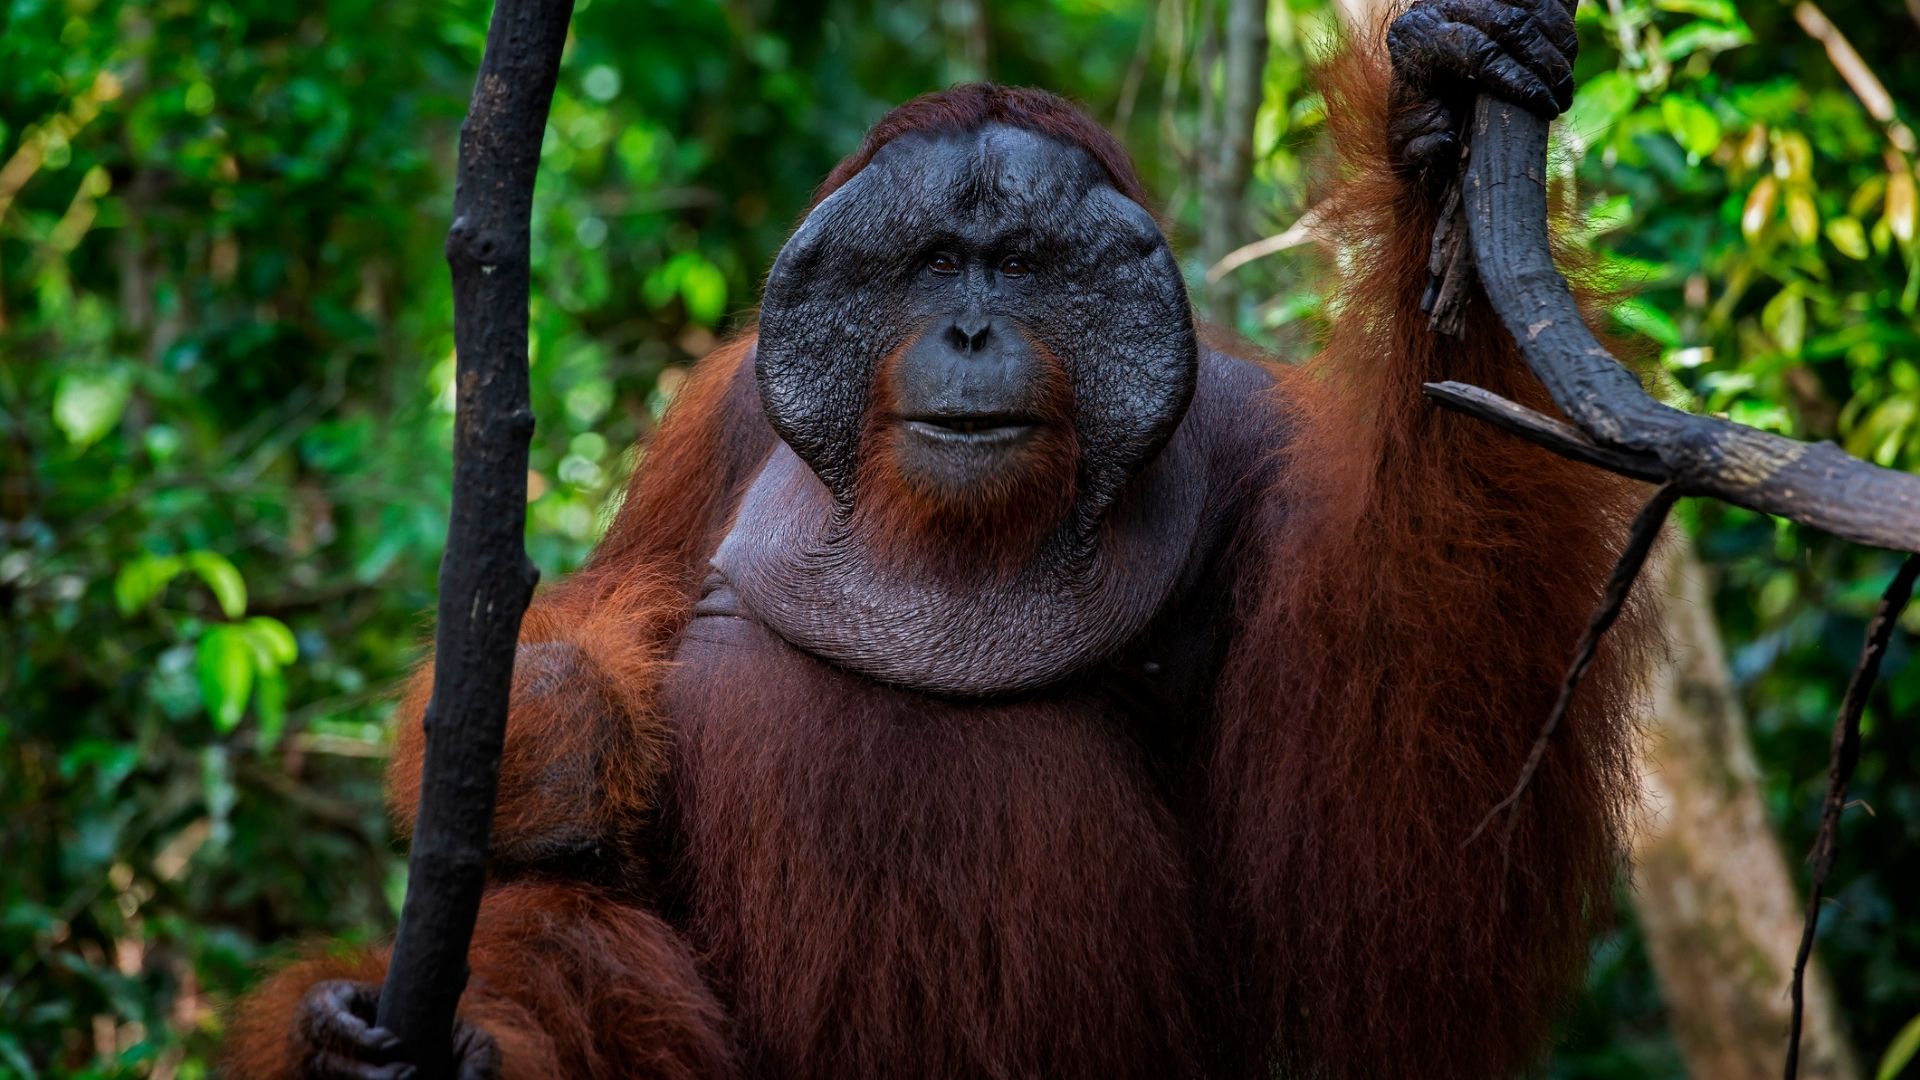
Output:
x=486 y=579
x=1845 y=755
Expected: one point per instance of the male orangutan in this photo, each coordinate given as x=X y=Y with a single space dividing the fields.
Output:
x=985 y=677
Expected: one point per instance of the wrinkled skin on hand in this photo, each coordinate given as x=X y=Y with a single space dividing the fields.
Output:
x=1445 y=52
x=336 y=1039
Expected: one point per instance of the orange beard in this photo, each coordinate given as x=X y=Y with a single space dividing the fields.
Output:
x=991 y=528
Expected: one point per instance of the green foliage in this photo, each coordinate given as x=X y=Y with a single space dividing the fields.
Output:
x=225 y=405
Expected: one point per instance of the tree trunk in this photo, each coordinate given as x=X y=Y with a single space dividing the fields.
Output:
x=1225 y=178
x=1719 y=909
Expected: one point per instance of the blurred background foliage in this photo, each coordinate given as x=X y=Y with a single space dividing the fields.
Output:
x=225 y=358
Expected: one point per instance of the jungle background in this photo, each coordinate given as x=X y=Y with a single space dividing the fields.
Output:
x=225 y=413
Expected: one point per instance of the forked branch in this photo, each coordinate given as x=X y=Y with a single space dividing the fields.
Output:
x=1815 y=484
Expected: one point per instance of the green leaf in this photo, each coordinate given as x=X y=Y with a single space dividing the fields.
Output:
x=229 y=588
x=1803 y=216
x=139 y=581
x=1849 y=236
x=1643 y=318
x=224 y=663
x=1785 y=320
x=273 y=642
x=1722 y=11
x=1878 y=436
x=1599 y=105
x=1704 y=37
x=87 y=403
x=1693 y=125
x=1901 y=1052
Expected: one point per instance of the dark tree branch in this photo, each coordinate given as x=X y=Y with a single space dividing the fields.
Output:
x=1815 y=484
x=1646 y=531
x=1618 y=427
x=1556 y=435
x=486 y=579
x=1845 y=755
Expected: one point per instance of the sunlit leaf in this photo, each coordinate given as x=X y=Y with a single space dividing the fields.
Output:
x=273 y=642
x=1717 y=10
x=1849 y=236
x=1753 y=146
x=87 y=403
x=229 y=588
x=1901 y=204
x=1599 y=104
x=1759 y=208
x=1691 y=124
x=1869 y=194
x=1803 y=217
x=1704 y=37
x=139 y=581
x=1785 y=320
x=1642 y=317
x=1792 y=156
x=224 y=663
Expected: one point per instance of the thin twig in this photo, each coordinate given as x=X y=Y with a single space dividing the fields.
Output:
x=1640 y=541
x=1542 y=430
x=1305 y=229
x=1845 y=755
x=1859 y=77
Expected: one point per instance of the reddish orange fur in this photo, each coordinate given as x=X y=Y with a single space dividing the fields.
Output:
x=1421 y=584
x=566 y=992
x=893 y=886
x=1410 y=594
x=621 y=612
x=995 y=527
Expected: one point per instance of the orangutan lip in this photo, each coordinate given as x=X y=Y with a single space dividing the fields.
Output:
x=979 y=430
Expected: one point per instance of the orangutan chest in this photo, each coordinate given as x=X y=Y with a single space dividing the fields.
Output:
x=864 y=866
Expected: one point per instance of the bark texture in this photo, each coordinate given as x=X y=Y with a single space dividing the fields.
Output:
x=486 y=579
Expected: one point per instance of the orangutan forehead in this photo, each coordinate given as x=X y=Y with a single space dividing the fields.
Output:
x=997 y=168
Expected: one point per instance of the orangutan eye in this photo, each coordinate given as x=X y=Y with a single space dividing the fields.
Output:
x=941 y=262
x=1015 y=266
